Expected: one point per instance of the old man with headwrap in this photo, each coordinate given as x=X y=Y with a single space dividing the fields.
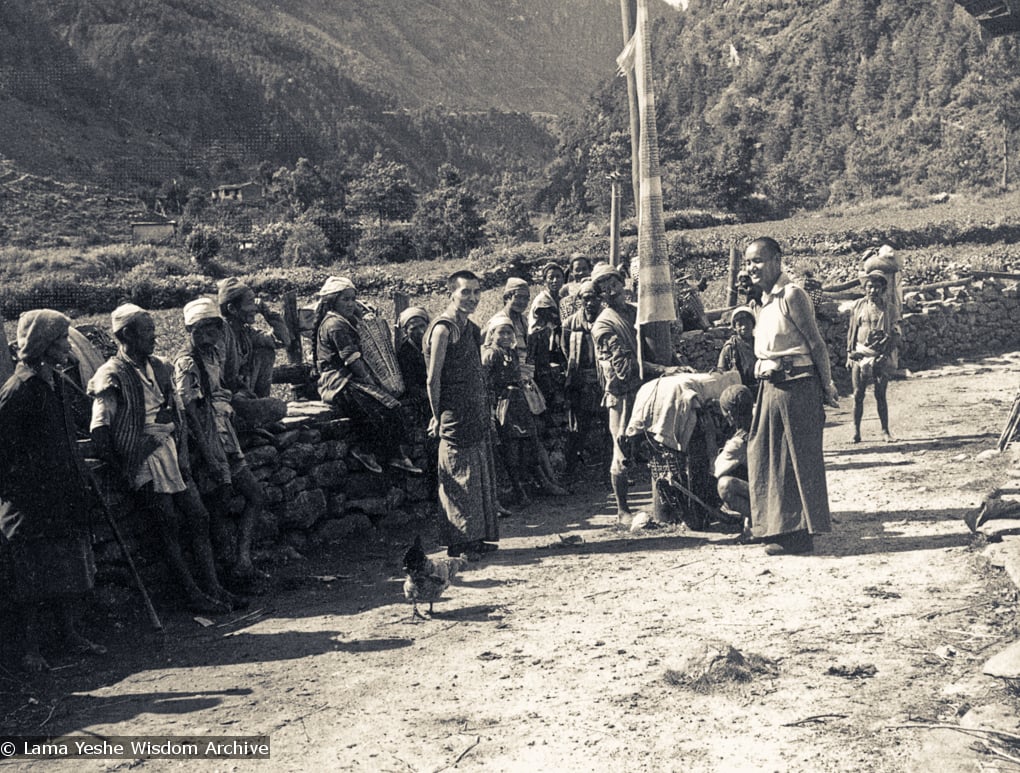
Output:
x=221 y=468
x=47 y=526
x=249 y=353
x=138 y=429
x=582 y=385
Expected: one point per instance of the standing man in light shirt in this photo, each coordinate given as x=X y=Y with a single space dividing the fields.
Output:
x=786 y=468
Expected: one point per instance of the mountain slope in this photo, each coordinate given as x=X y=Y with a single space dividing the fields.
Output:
x=148 y=88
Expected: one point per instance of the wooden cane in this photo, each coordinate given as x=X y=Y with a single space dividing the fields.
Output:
x=1011 y=425
x=150 y=610
x=90 y=478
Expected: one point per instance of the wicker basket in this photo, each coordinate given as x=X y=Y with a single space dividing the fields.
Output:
x=378 y=353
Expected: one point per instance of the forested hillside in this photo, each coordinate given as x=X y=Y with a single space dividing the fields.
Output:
x=129 y=89
x=766 y=106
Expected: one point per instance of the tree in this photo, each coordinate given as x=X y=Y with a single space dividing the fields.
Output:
x=385 y=244
x=447 y=222
x=341 y=234
x=304 y=186
x=383 y=189
x=196 y=204
x=306 y=245
x=510 y=220
x=203 y=244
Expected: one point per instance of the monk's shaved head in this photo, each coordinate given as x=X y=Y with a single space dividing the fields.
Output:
x=765 y=248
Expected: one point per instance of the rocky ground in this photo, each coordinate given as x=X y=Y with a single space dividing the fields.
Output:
x=571 y=648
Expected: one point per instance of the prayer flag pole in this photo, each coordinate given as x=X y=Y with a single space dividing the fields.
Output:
x=627 y=15
x=656 y=302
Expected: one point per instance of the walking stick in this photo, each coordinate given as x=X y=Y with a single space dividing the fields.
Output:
x=1011 y=425
x=719 y=514
x=150 y=610
x=90 y=478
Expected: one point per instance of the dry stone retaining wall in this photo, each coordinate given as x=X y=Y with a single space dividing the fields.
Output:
x=316 y=495
x=982 y=318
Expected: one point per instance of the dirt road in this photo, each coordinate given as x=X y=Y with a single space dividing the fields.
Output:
x=554 y=657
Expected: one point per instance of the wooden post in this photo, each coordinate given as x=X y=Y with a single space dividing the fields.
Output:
x=614 y=221
x=295 y=352
x=1005 y=156
x=731 y=275
x=627 y=13
x=400 y=303
x=6 y=363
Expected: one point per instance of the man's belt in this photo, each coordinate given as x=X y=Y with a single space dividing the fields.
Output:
x=776 y=371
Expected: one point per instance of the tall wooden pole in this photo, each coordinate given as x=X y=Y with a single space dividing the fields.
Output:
x=731 y=276
x=1005 y=156
x=614 y=221
x=628 y=12
x=6 y=363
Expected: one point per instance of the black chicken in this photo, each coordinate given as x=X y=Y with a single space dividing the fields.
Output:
x=427 y=578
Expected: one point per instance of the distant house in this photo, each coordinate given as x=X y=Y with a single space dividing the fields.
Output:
x=153 y=231
x=249 y=191
x=996 y=17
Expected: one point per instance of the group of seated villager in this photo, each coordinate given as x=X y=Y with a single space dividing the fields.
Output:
x=167 y=431
x=739 y=445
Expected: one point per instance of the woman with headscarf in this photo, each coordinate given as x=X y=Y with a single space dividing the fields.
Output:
x=544 y=351
x=46 y=526
x=346 y=381
x=413 y=322
x=515 y=424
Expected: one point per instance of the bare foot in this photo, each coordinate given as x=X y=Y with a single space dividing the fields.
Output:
x=888 y=438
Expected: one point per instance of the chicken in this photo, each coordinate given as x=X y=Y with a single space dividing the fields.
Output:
x=427 y=578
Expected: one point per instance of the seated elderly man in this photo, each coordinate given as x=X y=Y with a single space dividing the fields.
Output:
x=249 y=353
x=138 y=429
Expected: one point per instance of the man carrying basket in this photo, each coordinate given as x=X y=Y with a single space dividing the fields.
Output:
x=348 y=381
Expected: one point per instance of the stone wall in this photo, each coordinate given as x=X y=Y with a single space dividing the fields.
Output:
x=318 y=496
x=981 y=318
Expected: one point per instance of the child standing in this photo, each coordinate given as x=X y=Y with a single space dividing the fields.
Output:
x=515 y=424
x=868 y=344
x=738 y=352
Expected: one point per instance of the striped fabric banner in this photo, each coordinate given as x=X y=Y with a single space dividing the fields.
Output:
x=655 y=279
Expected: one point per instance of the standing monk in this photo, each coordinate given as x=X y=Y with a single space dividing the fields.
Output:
x=44 y=508
x=786 y=470
x=461 y=421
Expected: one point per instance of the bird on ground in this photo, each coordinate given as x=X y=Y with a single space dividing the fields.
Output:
x=427 y=578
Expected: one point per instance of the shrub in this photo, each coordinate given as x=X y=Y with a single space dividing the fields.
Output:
x=204 y=244
x=268 y=241
x=306 y=245
x=385 y=244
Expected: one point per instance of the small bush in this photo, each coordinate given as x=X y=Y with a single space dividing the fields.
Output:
x=385 y=244
x=306 y=245
x=268 y=241
x=204 y=244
